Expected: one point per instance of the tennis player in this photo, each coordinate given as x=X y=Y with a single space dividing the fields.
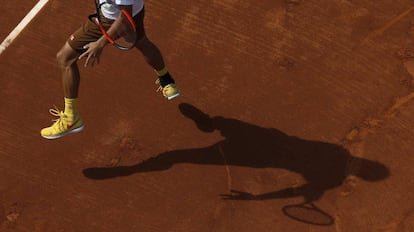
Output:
x=88 y=42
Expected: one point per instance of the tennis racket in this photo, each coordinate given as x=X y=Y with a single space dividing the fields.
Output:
x=126 y=36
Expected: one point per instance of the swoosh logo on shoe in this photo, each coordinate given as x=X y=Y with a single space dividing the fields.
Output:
x=69 y=126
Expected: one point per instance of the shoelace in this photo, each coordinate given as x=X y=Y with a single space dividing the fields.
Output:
x=56 y=112
x=160 y=88
x=157 y=82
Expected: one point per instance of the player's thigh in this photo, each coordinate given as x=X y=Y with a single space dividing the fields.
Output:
x=87 y=33
x=139 y=24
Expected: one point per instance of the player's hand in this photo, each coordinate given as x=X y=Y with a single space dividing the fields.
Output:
x=92 y=53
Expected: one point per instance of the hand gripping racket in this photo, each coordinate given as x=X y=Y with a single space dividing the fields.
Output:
x=126 y=36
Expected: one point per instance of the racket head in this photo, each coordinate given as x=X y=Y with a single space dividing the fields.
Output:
x=96 y=18
x=308 y=213
x=126 y=37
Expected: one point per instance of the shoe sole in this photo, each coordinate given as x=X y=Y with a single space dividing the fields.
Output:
x=173 y=96
x=79 y=129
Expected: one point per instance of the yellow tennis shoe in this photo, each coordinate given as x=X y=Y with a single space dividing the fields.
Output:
x=169 y=91
x=62 y=126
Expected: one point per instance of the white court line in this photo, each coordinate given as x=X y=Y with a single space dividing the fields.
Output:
x=26 y=20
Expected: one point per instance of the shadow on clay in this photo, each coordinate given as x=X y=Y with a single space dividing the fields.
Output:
x=323 y=165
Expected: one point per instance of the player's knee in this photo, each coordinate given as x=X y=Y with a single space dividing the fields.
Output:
x=66 y=57
x=60 y=57
x=63 y=59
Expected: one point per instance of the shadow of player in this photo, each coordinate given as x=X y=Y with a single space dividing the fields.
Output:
x=323 y=165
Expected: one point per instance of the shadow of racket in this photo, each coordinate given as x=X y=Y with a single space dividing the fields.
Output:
x=308 y=213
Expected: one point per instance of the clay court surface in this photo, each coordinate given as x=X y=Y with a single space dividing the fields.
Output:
x=282 y=102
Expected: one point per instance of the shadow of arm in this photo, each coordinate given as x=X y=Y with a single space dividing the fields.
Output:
x=101 y=173
x=309 y=192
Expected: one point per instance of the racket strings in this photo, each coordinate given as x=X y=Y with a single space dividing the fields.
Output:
x=126 y=35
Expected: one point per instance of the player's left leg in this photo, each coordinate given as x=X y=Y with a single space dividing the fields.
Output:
x=153 y=57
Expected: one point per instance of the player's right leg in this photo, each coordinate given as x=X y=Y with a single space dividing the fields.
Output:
x=69 y=120
x=67 y=59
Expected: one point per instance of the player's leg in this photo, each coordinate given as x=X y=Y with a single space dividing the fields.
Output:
x=151 y=53
x=153 y=57
x=69 y=120
x=66 y=58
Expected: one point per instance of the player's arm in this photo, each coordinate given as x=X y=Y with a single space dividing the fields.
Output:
x=94 y=49
x=118 y=26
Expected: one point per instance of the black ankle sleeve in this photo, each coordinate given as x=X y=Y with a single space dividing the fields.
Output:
x=166 y=79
